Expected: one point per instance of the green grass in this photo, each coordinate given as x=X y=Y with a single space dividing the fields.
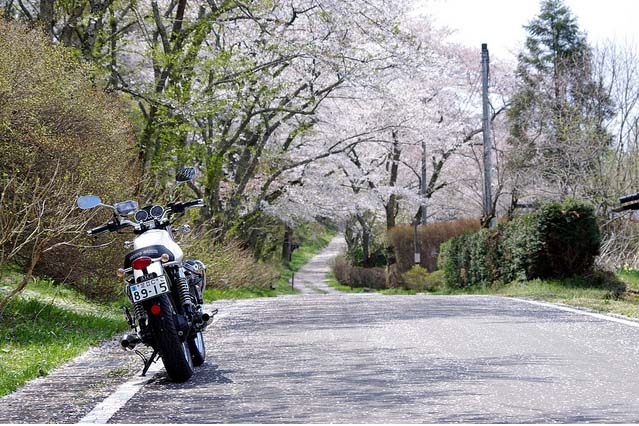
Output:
x=630 y=277
x=306 y=251
x=47 y=326
x=211 y=294
x=596 y=293
x=332 y=281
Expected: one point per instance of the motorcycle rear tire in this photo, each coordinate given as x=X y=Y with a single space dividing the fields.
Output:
x=175 y=353
x=197 y=348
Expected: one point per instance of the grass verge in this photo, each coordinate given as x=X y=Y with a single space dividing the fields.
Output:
x=47 y=326
x=309 y=248
x=602 y=292
x=332 y=281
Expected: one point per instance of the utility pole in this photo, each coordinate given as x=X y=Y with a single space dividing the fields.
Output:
x=423 y=186
x=488 y=197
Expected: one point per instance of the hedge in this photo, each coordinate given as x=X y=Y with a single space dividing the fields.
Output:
x=430 y=237
x=357 y=276
x=559 y=240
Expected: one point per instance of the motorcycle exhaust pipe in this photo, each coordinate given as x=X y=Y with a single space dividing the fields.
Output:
x=205 y=317
x=129 y=341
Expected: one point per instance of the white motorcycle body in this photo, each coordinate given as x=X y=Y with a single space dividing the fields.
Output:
x=157 y=237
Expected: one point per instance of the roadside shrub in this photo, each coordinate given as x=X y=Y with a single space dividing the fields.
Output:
x=90 y=270
x=341 y=269
x=521 y=245
x=430 y=236
x=571 y=239
x=559 y=240
x=357 y=276
x=361 y=277
x=60 y=137
x=229 y=264
x=419 y=279
x=471 y=259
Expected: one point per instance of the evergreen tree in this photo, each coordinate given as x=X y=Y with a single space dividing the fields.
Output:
x=559 y=110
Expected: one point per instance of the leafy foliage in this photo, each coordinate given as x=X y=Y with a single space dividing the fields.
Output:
x=419 y=279
x=57 y=131
x=560 y=109
x=559 y=240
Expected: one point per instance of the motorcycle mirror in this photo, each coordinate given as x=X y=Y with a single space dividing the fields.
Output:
x=185 y=174
x=89 y=201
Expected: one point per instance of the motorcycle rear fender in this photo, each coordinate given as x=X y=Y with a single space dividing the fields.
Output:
x=154 y=268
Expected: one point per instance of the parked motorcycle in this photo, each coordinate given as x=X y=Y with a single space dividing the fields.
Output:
x=165 y=290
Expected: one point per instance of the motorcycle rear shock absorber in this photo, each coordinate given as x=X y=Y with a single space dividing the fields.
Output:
x=139 y=311
x=183 y=290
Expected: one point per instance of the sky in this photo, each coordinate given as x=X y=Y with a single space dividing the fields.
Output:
x=499 y=22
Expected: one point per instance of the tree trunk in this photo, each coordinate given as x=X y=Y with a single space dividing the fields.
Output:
x=391 y=206
x=286 y=245
x=46 y=16
x=366 y=239
x=35 y=258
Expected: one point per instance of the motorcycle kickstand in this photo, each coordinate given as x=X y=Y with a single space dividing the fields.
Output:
x=148 y=362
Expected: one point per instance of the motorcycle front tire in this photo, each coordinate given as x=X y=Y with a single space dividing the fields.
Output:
x=175 y=354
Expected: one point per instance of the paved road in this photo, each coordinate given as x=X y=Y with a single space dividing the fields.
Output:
x=373 y=358
x=368 y=358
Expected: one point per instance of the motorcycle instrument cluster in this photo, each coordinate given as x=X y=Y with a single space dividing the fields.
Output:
x=148 y=213
x=141 y=215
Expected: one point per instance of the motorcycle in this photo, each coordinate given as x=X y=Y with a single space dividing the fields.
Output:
x=166 y=292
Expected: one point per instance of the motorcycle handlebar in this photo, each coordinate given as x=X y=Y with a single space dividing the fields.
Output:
x=628 y=198
x=110 y=226
x=98 y=230
x=195 y=203
x=180 y=207
x=633 y=206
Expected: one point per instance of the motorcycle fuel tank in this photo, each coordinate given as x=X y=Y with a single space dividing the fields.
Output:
x=159 y=237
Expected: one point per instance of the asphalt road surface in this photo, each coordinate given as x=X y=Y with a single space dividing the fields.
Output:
x=372 y=359
x=365 y=358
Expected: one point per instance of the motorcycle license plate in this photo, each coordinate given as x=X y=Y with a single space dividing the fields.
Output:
x=150 y=288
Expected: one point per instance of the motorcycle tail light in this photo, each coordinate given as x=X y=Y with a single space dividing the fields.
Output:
x=141 y=263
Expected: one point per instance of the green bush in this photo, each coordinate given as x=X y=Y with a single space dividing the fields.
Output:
x=419 y=279
x=559 y=240
x=571 y=239
x=521 y=245
x=471 y=259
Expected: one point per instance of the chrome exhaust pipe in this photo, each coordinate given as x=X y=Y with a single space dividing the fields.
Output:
x=129 y=341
